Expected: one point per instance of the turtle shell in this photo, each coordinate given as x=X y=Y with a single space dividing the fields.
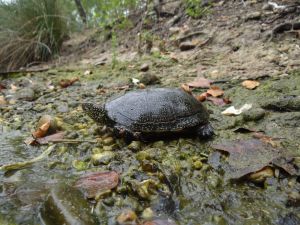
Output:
x=157 y=110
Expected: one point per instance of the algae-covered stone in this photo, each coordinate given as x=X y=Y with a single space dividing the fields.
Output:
x=66 y=205
x=102 y=158
x=254 y=114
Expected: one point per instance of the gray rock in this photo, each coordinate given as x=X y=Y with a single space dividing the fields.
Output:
x=254 y=114
x=66 y=205
x=285 y=103
x=26 y=94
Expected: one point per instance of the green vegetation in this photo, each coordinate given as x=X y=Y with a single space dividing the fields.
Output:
x=195 y=9
x=30 y=31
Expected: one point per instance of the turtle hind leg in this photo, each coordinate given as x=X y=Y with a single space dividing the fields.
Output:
x=205 y=131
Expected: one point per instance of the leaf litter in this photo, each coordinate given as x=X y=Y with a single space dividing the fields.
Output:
x=252 y=155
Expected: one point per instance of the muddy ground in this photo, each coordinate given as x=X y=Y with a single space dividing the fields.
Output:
x=184 y=180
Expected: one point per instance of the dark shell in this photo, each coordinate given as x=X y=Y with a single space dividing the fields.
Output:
x=157 y=110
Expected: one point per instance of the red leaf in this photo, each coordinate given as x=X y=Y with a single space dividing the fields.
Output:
x=96 y=182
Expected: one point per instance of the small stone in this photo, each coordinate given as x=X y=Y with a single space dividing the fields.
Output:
x=149 y=79
x=126 y=216
x=198 y=165
x=108 y=141
x=134 y=145
x=187 y=45
x=267 y=7
x=2 y=100
x=66 y=205
x=147 y=214
x=253 y=16
x=63 y=108
x=145 y=67
x=102 y=158
x=26 y=94
x=254 y=114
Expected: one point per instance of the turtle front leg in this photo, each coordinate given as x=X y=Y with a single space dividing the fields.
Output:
x=123 y=132
x=205 y=131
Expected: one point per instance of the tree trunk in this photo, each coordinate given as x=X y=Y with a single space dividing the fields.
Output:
x=81 y=10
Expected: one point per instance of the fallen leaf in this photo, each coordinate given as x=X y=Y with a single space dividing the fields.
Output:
x=246 y=156
x=233 y=111
x=135 y=81
x=200 y=82
x=215 y=91
x=250 y=84
x=68 y=82
x=287 y=164
x=202 y=97
x=51 y=138
x=42 y=130
x=186 y=88
x=217 y=101
x=94 y=183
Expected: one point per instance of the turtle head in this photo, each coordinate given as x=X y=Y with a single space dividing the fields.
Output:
x=96 y=112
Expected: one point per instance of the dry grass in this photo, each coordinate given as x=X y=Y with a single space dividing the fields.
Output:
x=30 y=31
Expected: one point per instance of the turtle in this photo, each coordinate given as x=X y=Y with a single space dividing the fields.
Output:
x=154 y=112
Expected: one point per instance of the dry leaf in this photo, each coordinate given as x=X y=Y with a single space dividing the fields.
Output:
x=97 y=182
x=41 y=131
x=233 y=111
x=66 y=83
x=202 y=97
x=250 y=84
x=243 y=158
x=217 y=101
x=186 y=88
x=215 y=91
x=51 y=138
x=200 y=82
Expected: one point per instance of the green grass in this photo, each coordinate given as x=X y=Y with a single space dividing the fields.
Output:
x=30 y=31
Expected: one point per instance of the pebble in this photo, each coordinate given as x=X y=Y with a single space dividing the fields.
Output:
x=187 y=45
x=26 y=94
x=145 y=67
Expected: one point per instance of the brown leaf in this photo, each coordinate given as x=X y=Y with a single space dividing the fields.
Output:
x=186 y=88
x=96 y=182
x=287 y=164
x=200 y=82
x=202 y=97
x=42 y=130
x=68 y=82
x=216 y=101
x=51 y=138
x=250 y=84
x=246 y=156
x=215 y=91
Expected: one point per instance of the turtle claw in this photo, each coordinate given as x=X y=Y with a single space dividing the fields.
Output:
x=206 y=131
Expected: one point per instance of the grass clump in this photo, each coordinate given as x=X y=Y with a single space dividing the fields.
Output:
x=195 y=8
x=30 y=31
